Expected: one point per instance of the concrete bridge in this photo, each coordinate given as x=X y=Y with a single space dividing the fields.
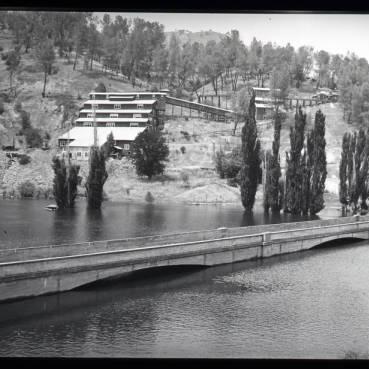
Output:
x=33 y=271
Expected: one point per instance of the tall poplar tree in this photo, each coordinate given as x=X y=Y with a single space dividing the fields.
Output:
x=273 y=196
x=65 y=183
x=96 y=178
x=295 y=165
x=317 y=164
x=343 y=172
x=250 y=169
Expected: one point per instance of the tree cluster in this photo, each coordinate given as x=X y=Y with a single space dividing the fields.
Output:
x=137 y=48
x=353 y=171
x=65 y=183
x=306 y=166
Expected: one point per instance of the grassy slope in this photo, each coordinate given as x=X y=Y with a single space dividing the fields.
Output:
x=205 y=138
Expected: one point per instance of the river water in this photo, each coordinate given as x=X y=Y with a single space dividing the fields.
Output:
x=313 y=304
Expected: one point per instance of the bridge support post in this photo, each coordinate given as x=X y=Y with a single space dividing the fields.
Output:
x=266 y=238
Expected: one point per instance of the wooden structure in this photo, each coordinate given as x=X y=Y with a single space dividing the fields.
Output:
x=125 y=114
x=208 y=111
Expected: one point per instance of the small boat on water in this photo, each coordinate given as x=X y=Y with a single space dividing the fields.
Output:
x=51 y=207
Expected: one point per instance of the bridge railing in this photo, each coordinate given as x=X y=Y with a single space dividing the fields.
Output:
x=109 y=259
x=276 y=230
x=133 y=256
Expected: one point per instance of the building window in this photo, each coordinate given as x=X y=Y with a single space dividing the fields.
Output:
x=126 y=146
x=110 y=124
x=86 y=154
x=133 y=124
x=96 y=106
x=117 y=106
x=140 y=106
x=79 y=154
x=87 y=124
x=137 y=115
x=113 y=115
x=93 y=96
x=62 y=143
x=90 y=115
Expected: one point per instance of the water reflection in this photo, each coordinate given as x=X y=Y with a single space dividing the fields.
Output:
x=311 y=304
x=26 y=223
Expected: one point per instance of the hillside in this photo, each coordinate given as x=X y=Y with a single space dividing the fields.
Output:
x=65 y=92
x=201 y=37
x=190 y=175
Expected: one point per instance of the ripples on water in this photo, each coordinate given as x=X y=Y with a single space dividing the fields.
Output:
x=313 y=304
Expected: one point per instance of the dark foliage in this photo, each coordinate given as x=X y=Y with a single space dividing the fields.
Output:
x=96 y=178
x=65 y=183
x=149 y=152
x=250 y=169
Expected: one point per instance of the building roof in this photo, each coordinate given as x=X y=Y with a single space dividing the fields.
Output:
x=266 y=106
x=261 y=88
x=152 y=101
x=133 y=93
x=84 y=136
x=138 y=120
x=133 y=111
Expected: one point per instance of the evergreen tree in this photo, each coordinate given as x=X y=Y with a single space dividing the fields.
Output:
x=317 y=164
x=73 y=183
x=60 y=188
x=149 y=152
x=343 y=172
x=295 y=165
x=267 y=181
x=361 y=168
x=108 y=146
x=272 y=185
x=65 y=180
x=354 y=167
x=250 y=169
x=96 y=178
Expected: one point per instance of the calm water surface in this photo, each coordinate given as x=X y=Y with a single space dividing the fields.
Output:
x=26 y=223
x=314 y=304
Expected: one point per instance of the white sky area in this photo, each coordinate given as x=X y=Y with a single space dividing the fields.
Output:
x=335 y=33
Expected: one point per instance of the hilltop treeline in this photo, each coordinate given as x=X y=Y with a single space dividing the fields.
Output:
x=137 y=48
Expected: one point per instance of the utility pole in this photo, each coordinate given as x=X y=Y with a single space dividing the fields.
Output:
x=68 y=165
x=95 y=127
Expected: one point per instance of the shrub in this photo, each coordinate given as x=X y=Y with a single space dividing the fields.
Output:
x=33 y=137
x=1 y=48
x=27 y=189
x=183 y=149
x=233 y=182
x=26 y=120
x=100 y=87
x=4 y=56
x=24 y=159
x=186 y=135
x=1 y=106
x=185 y=178
x=149 y=197
x=18 y=106
x=5 y=97
x=228 y=166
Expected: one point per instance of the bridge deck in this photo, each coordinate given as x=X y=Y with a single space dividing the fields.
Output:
x=48 y=269
x=49 y=251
